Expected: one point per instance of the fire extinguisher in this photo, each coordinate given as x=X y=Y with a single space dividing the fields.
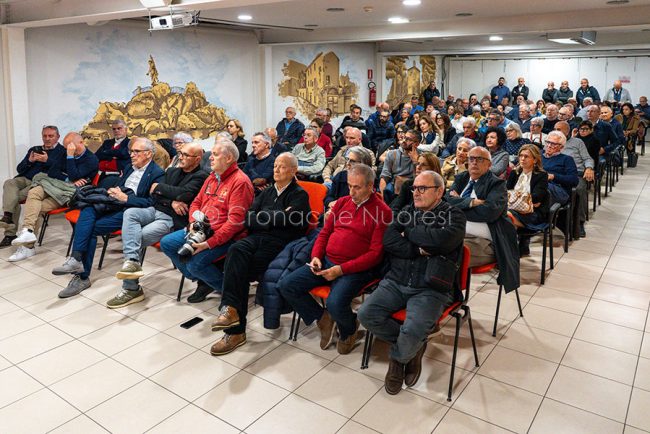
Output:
x=372 y=94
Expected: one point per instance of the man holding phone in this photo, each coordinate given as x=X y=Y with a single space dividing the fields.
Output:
x=49 y=157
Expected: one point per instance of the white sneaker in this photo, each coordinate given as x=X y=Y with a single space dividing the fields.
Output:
x=22 y=253
x=26 y=237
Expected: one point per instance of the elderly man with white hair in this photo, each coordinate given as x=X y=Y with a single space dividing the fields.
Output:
x=259 y=167
x=561 y=168
x=618 y=94
x=224 y=199
x=133 y=190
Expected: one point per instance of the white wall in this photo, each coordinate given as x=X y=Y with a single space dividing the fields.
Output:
x=479 y=76
x=5 y=153
x=71 y=69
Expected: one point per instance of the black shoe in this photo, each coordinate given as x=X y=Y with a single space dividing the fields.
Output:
x=524 y=246
x=6 y=241
x=201 y=293
x=582 y=231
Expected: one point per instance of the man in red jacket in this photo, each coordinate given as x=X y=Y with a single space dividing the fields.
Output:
x=225 y=198
x=344 y=255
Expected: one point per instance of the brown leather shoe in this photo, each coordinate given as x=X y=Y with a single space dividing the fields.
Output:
x=326 y=326
x=344 y=346
x=414 y=367
x=228 y=317
x=228 y=344
x=394 y=377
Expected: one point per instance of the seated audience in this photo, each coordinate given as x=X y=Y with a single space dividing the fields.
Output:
x=602 y=130
x=278 y=215
x=323 y=140
x=618 y=94
x=47 y=158
x=524 y=117
x=276 y=148
x=415 y=105
x=444 y=124
x=455 y=164
x=339 y=188
x=582 y=113
x=594 y=147
x=399 y=166
x=133 y=190
x=514 y=141
x=564 y=93
x=426 y=161
x=142 y=227
x=489 y=233
x=337 y=164
x=224 y=198
x=565 y=113
x=561 y=169
x=550 y=94
x=586 y=91
x=642 y=109
x=289 y=129
x=178 y=140
x=417 y=234
x=311 y=157
x=259 y=166
x=54 y=190
x=630 y=123
x=354 y=119
x=494 y=139
x=206 y=163
x=551 y=118
x=113 y=155
x=535 y=135
x=432 y=138
x=607 y=116
x=345 y=252
x=325 y=114
x=528 y=179
x=469 y=132
x=234 y=128
x=381 y=131
x=160 y=156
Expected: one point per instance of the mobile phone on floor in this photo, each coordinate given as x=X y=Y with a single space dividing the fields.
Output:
x=191 y=323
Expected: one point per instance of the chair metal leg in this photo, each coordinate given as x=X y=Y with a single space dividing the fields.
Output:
x=101 y=258
x=142 y=254
x=367 y=348
x=67 y=253
x=453 y=357
x=293 y=325
x=41 y=234
x=521 y=312
x=567 y=228
x=496 y=316
x=543 y=276
x=180 y=288
x=297 y=329
x=468 y=315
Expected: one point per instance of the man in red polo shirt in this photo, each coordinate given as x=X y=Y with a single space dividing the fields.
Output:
x=344 y=255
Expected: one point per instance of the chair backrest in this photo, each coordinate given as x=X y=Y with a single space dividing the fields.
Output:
x=464 y=269
x=96 y=179
x=317 y=193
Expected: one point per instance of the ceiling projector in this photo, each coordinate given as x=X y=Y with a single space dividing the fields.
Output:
x=174 y=20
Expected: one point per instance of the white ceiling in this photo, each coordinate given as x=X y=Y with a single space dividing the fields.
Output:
x=433 y=25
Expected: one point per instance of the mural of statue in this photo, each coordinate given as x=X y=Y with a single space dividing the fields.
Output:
x=153 y=71
x=404 y=81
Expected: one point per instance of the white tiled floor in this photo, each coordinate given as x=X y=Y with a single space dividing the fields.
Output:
x=578 y=361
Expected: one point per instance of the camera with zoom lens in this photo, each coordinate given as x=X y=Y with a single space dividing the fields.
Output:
x=199 y=231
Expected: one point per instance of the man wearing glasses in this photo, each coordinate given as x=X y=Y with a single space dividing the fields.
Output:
x=561 y=168
x=427 y=228
x=142 y=227
x=311 y=157
x=489 y=234
x=46 y=158
x=399 y=165
x=113 y=155
x=289 y=129
x=133 y=190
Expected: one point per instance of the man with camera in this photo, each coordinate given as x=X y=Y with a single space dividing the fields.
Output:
x=279 y=215
x=142 y=227
x=133 y=190
x=427 y=231
x=39 y=159
x=222 y=204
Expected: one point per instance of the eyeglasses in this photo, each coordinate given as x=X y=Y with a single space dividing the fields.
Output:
x=584 y=129
x=493 y=119
x=477 y=159
x=351 y=161
x=410 y=139
x=186 y=155
x=549 y=143
x=423 y=188
x=137 y=151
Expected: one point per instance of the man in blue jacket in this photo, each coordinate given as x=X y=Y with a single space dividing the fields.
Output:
x=289 y=129
x=47 y=158
x=113 y=155
x=133 y=190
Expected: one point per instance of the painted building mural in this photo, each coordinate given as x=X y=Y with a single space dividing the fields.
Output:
x=408 y=75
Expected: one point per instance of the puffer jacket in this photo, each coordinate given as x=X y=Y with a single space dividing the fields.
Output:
x=294 y=255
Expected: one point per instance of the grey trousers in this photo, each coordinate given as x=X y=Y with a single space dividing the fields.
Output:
x=481 y=250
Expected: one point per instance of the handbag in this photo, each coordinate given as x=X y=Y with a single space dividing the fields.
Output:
x=632 y=159
x=520 y=202
x=440 y=273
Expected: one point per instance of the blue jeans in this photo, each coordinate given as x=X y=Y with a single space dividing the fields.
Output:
x=88 y=227
x=199 y=267
x=295 y=289
x=142 y=227
x=423 y=308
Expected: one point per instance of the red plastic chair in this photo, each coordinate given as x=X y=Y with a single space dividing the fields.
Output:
x=46 y=220
x=458 y=309
x=72 y=217
x=317 y=193
x=323 y=292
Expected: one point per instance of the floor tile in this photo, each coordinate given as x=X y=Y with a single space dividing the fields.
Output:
x=96 y=384
x=7 y=306
x=88 y=320
x=192 y=419
x=32 y=343
x=241 y=399
x=340 y=389
x=622 y=295
x=4 y=363
x=198 y=336
x=591 y=393
x=616 y=314
x=52 y=412
x=560 y=418
x=305 y=416
x=578 y=269
x=257 y=345
x=456 y=422
x=153 y=354
x=353 y=427
x=487 y=303
x=80 y=425
x=576 y=285
x=493 y=401
x=160 y=404
x=560 y=300
x=405 y=412
x=609 y=335
x=535 y=342
x=642 y=378
x=588 y=258
x=118 y=336
x=549 y=319
x=638 y=415
x=16 y=322
x=165 y=315
x=61 y=362
x=434 y=381
x=33 y=294
x=623 y=278
x=16 y=385
x=602 y=361
x=631 y=430
x=187 y=377
x=56 y=308
x=515 y=368
x=645 y=346
x=287 y=366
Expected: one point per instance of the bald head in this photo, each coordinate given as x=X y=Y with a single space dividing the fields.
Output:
x=479 y=162
x=75 y=139
x=563 y=127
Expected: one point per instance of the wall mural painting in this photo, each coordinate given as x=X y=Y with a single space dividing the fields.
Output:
x=158 y=111
x=408 y=75
x=318 y=85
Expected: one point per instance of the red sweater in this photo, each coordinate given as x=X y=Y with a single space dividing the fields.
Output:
x=225 y=203
x=352 y=236
x=324 y=142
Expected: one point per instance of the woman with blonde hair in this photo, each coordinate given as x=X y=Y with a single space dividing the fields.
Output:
x=234 y=128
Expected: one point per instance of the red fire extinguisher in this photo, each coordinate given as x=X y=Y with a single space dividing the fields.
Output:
x=372 y=94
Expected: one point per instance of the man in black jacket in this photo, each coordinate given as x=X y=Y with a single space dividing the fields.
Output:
x=278 y=215
x=483 y=198
x=142 y=227
x=429 y=227
x=113 y=155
